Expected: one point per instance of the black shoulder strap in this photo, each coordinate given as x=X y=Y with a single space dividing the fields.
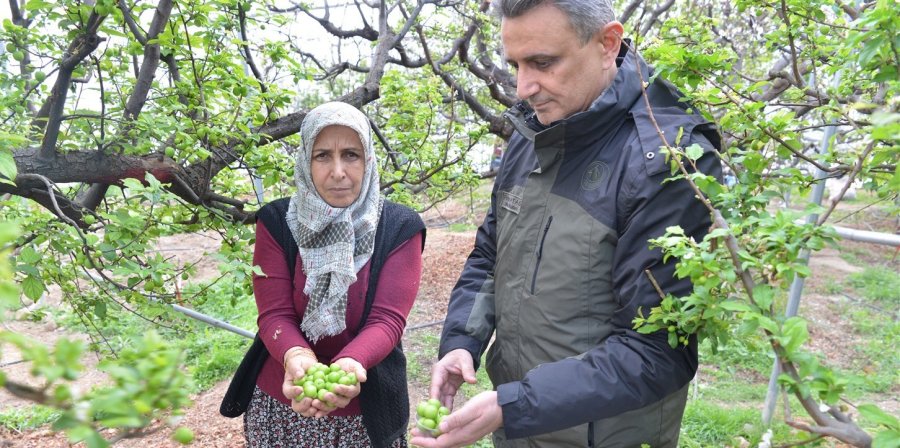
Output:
x=273 y=217
x=240 y=390
x=397 y=225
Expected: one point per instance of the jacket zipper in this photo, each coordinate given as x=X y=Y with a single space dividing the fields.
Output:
x=540 y=253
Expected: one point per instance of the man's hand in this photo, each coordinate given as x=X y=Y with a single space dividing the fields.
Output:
x=478 y=417
x=449 y=373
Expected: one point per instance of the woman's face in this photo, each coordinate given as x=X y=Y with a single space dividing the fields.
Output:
x=338 y=165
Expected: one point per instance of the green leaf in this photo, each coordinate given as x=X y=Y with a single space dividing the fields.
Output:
x=763 y=294
x=734 y=305
x=33 y=287
x=794 y=334
x=95 y=440
x=100 y=309
x=65 y=421
x=876 y=415
x=886 y=439
x=7 y=168
x=34 y=5
x=29 y=256
x=694 y=151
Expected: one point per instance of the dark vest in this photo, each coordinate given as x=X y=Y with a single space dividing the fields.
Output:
x=384 y=398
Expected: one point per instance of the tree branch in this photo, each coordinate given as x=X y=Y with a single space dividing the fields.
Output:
x=83 y=45
x=655 y=15
x=132 y=25
x=496 y=124
x=150 y=62
x=366 y=32
x=785 y=15
x=248 y=56
x=628 y=11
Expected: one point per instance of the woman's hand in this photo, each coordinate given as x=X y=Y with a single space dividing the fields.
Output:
x=344 y=393
x=296 y=361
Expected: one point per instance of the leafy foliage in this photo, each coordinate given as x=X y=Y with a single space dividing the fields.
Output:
x=124 y=121
x=743 y=268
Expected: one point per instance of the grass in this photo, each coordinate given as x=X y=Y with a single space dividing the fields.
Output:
x=28 y=417
x=878 y=284
x=707 y=424
x=462 y=227
x=212 y=354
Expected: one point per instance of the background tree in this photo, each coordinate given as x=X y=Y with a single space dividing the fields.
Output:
x=126 y=120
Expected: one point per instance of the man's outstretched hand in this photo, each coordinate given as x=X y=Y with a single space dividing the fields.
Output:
x=478 y=417
x=449 y=373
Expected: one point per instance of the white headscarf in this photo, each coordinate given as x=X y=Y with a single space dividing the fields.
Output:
x=334 y=243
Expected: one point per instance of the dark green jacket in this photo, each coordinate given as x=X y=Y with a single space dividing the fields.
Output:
x=557 y=273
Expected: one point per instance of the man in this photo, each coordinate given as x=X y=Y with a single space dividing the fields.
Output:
x=558 y=270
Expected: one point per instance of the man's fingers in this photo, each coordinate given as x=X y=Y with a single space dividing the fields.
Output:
x=468 y=373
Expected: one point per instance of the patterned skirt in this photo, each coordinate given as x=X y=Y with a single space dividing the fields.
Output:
x=269 y=423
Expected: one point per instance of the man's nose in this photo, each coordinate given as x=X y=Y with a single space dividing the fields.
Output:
x=526 y=84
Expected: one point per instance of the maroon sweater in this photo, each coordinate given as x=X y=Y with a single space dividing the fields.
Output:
x=281 y=307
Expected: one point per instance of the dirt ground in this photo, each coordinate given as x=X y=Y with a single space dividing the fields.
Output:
x=444 y=255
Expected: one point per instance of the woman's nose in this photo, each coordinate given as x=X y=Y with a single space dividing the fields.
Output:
x=339 y=170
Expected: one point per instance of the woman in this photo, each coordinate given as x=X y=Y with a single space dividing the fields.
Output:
x=344 y=300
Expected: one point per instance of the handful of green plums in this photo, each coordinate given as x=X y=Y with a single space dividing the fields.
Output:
x=320 y=379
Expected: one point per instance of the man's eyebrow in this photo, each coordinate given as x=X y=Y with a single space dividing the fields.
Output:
x=530 y=58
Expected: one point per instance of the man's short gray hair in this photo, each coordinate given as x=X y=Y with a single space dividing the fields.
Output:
x=585 y=16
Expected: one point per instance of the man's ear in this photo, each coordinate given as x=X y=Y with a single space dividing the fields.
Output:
x=610 y=39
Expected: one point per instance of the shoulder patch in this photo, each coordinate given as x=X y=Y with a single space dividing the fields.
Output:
x=594 y=176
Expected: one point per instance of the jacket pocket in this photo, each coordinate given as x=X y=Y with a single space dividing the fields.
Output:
x=540 y=253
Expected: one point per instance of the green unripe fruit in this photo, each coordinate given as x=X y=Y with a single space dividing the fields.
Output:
x=40 y=76
x=170 y=152
x=10 y=47
x=428 y=411
x=18 y=55
x=183 y=435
